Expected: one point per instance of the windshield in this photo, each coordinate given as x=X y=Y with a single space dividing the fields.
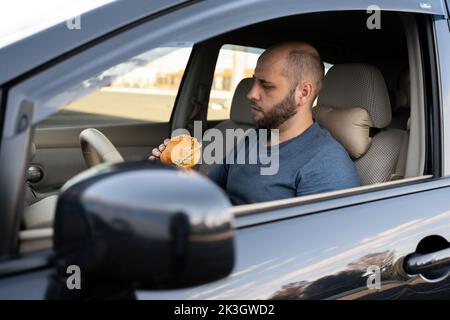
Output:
x=22 y=18
x=154 y=75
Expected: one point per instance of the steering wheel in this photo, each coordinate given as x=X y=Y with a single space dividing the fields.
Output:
x=97 y=148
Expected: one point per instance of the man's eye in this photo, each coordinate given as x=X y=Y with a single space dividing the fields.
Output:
x=266 y=87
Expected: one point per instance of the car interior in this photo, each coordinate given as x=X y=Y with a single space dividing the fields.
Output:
x=365 y=103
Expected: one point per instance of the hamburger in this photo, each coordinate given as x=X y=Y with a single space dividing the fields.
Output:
x=183 y=151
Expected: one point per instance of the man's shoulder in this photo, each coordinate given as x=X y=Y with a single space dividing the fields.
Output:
x=329 y=153
x=325 y=145
x=331 y=168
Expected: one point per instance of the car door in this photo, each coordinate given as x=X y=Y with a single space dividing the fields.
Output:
x=348 y=251
x=324 y=246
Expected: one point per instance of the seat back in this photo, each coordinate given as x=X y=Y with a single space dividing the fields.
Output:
x=240 y=117
x=354 y=107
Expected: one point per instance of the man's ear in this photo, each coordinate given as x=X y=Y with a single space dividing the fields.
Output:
x=303 y=93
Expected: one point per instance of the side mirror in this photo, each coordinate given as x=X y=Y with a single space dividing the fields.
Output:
x=139 y=225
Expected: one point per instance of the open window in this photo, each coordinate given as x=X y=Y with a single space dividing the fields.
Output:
x=356 y=54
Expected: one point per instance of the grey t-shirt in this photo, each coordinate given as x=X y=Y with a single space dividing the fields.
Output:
x=309 y=163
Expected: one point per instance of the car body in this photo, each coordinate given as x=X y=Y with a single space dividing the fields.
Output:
x=325 y=246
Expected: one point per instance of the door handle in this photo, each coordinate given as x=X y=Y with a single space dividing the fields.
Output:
x=428 y=263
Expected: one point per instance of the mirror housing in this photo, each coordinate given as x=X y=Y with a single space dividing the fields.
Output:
x=140 y=225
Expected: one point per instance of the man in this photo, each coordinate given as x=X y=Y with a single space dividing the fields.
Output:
x=288 y=78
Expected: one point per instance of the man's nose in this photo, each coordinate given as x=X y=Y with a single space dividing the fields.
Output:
x=253 y=95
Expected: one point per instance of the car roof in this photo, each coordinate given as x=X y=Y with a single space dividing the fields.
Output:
x=36 y=49
x=45 y=41
x=17 y=23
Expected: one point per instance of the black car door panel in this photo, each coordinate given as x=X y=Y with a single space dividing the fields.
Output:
x=328 y=254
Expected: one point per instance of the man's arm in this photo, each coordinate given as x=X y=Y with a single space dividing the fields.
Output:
x=218 y=173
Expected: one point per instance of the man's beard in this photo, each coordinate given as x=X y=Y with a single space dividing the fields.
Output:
x=279 y=113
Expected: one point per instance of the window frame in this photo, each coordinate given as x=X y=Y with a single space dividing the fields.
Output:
x=212 y=81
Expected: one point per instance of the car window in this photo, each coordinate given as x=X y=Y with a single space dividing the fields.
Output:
x=233 y=64
x=146 y=93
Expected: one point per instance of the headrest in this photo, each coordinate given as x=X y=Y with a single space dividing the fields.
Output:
x=357 y=85
x=402 y=98
x=352 y=104
x=349 y=126
x=240 y=105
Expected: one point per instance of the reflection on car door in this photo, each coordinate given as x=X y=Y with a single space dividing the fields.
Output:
x=338 y=253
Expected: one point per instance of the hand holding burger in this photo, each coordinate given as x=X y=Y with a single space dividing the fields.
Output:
x=183 y=151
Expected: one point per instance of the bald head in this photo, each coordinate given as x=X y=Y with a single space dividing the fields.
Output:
x=286 y=47
x=302 y=62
